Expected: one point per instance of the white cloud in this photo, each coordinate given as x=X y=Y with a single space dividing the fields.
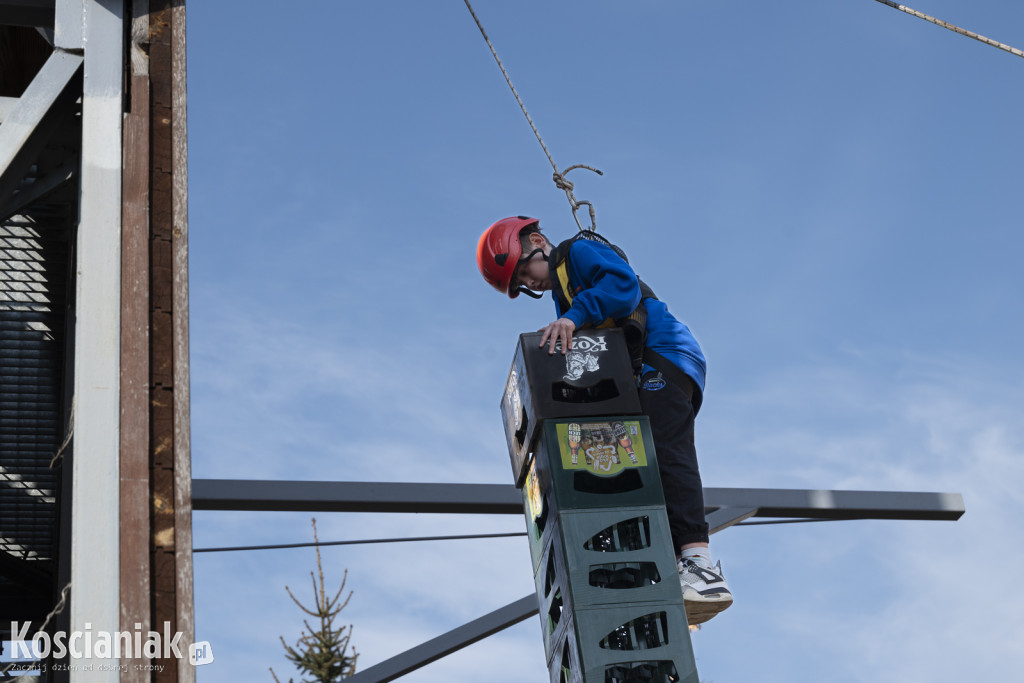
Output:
x=890 y=601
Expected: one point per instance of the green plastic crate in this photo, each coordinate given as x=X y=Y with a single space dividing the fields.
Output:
x=598 y=462
x=591 y=577
x=623 y=643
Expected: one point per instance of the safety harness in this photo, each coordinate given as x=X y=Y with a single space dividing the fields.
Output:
x=633 y=326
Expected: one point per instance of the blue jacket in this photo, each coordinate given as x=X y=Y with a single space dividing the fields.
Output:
x=605 y=286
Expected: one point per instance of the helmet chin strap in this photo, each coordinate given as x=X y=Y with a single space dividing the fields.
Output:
x=524 y=290
x=530 y=292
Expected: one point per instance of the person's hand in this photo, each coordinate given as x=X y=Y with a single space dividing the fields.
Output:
x=559 y=331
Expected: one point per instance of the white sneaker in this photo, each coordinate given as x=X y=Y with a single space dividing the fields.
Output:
x=705 y=592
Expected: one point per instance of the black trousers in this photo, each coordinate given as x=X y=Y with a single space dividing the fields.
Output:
x=670 y=409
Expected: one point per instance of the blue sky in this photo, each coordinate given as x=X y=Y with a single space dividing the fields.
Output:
x=827 y=193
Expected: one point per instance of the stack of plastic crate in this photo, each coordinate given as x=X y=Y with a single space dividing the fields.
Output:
x=610 y=603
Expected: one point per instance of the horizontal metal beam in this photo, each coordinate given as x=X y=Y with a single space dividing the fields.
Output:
x=354 y=496
x=826 y=504
x=359 y=496
x=453 y=640
x=26 y=196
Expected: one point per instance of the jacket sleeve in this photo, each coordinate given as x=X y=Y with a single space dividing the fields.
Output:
x=610 y=288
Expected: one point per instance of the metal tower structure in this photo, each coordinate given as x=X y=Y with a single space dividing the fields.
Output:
x=95 y=502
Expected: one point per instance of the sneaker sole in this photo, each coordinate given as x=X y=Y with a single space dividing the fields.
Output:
x=705 y=607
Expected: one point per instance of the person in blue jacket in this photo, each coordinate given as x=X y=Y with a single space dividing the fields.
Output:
x=593 y=285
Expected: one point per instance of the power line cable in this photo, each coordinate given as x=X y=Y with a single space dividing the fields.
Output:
x=951 y=27
x=411 y=539
x=358 y=542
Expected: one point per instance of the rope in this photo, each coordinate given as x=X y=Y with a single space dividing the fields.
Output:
x=561 y=182
x=67 y=438
x=54 y=612
x=369 y=540
x=951 y=27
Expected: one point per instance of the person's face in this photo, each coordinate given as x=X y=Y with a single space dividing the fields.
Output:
x=533 y=274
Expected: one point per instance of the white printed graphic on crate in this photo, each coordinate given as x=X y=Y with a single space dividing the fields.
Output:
x=583 y=356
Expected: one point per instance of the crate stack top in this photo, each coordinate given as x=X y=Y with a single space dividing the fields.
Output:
x=595 y=378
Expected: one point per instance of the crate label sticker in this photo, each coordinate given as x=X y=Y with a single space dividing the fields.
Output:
x=534 y=497
x=513 y=404
x=584 y=356
x=602 y=448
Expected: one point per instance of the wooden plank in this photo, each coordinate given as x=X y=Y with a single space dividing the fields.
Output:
x=162 y=479
x=135 y=398
x=164 y=600
x=172 y=538
x=162 y=374
x=162 y=416
x=162 y=184
x=163 y=287
x=184 y=576
x=163 y=153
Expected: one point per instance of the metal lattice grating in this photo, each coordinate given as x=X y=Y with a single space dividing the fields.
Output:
x=33 y=266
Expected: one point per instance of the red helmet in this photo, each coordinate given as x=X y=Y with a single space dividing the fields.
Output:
x=499 y=251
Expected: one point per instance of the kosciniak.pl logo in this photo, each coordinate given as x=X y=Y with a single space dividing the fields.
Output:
x=87 y=644
x=200 y=653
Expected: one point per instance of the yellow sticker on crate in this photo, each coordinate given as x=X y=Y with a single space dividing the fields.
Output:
x=534 y=497
x=602 y=448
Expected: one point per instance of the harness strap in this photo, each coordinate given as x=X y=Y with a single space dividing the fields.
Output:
x=634 y=326
x=562 y=274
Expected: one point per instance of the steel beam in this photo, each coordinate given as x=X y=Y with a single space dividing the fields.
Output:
x=68 y=24
x=341 y=496
x=825 y=504
x=354 y=496
x=453 y=640
x=725 y=517
x=54 y=178
x=7 y=105
x=29 y=123
x=95 y=516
